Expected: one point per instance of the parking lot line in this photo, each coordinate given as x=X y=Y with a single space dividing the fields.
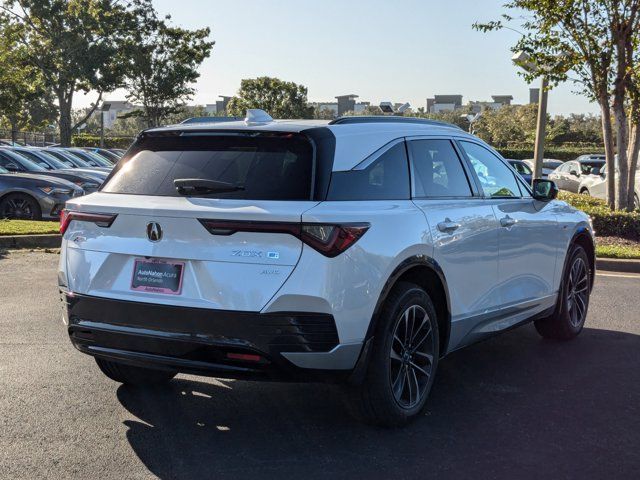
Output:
x=618 y=275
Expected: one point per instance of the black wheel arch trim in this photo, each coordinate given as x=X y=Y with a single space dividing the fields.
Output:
x=404 y=266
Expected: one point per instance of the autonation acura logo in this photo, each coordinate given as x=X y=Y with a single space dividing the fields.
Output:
x=154 y=231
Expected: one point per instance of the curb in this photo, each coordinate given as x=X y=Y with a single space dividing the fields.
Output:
x=618 y=265
x=54 y=240
x=31 y=241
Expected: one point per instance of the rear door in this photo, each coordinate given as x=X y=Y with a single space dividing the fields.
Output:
x=463 y=227
x=225 y=247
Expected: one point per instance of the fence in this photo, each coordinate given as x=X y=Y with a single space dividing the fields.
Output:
x=43 y=139
x=36 y=139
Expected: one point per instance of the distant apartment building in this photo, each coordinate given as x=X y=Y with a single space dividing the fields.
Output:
x=342 y=105
x=497 y=101
x=444 y=103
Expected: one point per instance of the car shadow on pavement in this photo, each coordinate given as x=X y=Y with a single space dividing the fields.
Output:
x=514 y=406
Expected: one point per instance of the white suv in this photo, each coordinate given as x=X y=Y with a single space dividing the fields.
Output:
x=361 y=250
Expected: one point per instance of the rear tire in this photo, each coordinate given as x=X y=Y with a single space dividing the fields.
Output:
x=130 y=375
x=573 y=302
x=20 y=206
x=403 y=362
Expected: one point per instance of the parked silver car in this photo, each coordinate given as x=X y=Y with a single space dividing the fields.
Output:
x=360 y=251
x=569 y=175
x=595 y=185
x=26 y=196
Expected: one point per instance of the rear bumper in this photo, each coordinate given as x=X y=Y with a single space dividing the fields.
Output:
x=297 y=346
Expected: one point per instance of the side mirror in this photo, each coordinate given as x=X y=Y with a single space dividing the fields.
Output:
x=595 y=171
x=574 y=173
x=12 y=167
x=544 y=190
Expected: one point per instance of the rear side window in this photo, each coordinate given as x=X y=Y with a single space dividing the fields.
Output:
x=261 y=166
x=437 y=170
x=387 y=178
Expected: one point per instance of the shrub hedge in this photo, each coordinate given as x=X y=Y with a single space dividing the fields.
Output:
x=558 y=153
x=83 y=140
x=606 y=223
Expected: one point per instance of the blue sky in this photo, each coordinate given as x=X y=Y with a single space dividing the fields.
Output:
x=399 y=50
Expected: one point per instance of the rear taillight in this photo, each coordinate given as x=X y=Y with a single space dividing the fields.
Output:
x=328 y=239
x=101 y=219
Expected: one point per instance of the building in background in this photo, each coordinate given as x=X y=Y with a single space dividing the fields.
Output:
x=444 y=103
x=497 y=101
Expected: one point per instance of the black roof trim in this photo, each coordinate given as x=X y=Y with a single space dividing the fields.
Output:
x=389 y=119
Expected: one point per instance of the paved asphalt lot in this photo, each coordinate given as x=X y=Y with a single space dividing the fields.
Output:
x=512 y=407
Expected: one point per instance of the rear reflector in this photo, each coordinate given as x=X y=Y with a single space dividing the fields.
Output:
x=246 y=357
x=101 y=219
x=328 y=239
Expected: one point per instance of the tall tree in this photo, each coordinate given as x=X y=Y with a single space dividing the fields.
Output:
x=163 y=68
x=587 y=41
x=24 y=100
x=76 y=45
x=278 y=98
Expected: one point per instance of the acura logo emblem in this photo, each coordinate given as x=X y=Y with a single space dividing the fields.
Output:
x=154 y=231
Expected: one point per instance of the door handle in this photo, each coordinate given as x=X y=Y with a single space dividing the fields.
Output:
x=508 y=221
x=448 y=226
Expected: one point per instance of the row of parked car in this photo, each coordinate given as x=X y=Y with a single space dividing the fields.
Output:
x=587 y=175
x=36 y=182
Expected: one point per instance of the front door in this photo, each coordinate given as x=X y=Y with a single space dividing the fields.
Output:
x=527 y=234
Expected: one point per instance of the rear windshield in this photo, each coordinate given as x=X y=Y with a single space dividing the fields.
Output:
x=262 y=166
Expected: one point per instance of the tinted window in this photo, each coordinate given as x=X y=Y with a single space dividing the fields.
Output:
x=495 y=177
x=387 y=178
x=587 y=167
x=522 y=168
x=262 y=166
x=437 y=169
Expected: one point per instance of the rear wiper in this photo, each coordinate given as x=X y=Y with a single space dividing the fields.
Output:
x=201 y=186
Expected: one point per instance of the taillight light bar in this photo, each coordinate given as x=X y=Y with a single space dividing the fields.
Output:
x=101 y=219
x=328 y=239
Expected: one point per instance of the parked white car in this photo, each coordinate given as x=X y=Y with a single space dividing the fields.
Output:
x=569 y=175
x=548 y=165
x=362 y=251
x=595 y=185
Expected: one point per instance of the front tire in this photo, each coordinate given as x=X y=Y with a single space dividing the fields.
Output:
x=130 y=375
x=403 y=361
x=573 y=304
x=20 y=206
x=584 y=191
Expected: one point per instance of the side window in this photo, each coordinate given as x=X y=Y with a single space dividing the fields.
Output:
x=437 y=170
x=387 y=178
x=496 y=179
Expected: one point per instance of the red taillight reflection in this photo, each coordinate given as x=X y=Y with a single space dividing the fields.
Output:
x=245 y=357
x=101 y=219
x=328 y=239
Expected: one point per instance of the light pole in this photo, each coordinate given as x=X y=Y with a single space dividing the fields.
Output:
x=523 y=61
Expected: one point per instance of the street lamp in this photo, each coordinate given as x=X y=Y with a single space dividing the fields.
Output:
x=523 y=60
x=471 y=118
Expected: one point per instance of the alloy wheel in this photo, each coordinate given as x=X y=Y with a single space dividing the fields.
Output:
x=17 y=208
x=412 y=351
x=578 y=292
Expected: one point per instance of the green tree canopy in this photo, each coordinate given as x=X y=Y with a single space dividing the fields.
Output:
x=76 y=45
x=278 y=98
x=163 y=69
